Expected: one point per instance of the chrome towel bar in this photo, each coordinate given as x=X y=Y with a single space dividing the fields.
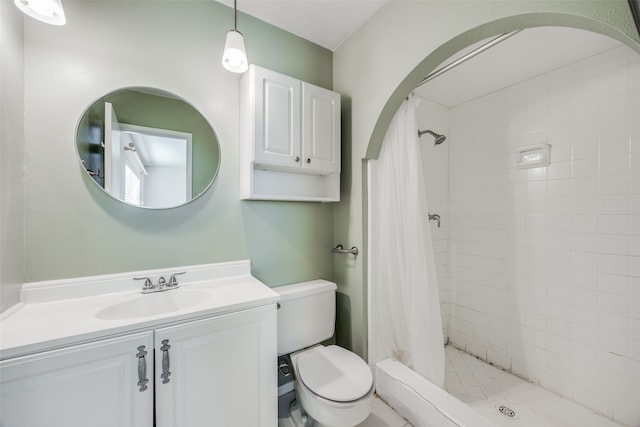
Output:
x=341 y=250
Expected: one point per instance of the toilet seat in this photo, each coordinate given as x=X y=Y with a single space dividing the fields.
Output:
x=334 y=374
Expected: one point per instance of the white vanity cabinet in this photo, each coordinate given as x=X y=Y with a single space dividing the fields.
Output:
x=93 y=384
x=218 y=371
x=290 y=138
x=222 y=371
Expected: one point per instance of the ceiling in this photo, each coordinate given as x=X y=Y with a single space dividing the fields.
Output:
x=529 y=53
x=327 y=23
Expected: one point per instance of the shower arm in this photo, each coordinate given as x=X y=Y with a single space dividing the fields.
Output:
x=422 y=132
x=439 y=138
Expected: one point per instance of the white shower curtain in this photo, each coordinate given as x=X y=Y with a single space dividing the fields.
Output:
x=404 y=306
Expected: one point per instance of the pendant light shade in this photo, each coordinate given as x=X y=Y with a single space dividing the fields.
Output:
x=48 y=11
x=234 y=57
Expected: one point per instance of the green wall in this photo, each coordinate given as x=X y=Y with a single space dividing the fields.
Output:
x=73 y=228
x=380 y=64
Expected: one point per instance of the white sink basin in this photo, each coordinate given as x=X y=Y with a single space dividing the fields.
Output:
x=153 y=304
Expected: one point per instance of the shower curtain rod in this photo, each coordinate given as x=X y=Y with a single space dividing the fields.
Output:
x=466 y=57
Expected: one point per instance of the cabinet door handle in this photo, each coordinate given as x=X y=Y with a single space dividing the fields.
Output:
x=142 y=368
x=165 y=362
x=297 y=159
x=308 y=160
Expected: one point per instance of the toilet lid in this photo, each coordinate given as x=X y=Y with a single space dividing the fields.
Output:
x=334 y=373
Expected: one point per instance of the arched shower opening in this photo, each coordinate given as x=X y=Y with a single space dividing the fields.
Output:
x=529 y=256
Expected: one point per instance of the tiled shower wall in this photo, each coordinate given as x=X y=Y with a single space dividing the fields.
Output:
x=435 y=161
x=544 y=263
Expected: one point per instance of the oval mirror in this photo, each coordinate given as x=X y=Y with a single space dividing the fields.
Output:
x=147 y=147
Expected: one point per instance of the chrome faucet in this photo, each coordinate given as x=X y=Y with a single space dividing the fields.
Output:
x=173 y=282
x=162 y=284
x=148 y=286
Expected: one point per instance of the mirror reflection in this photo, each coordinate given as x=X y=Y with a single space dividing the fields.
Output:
x=147 y=147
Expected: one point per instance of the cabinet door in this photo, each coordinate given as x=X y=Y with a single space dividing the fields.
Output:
x=94 y=384
x=218 y=372
x=277 y=118
x=320 y=129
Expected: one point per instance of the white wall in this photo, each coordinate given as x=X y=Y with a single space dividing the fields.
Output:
x=11 y=154
x=435 y=160
x=375 y=75
x=545 y=263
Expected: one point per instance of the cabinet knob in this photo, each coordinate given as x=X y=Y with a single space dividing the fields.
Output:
x=308 y=160
x=297 y=159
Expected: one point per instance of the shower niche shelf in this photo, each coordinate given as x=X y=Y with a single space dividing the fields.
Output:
x=289 y=139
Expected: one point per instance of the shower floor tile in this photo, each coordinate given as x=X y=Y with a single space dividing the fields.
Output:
x=485 y=388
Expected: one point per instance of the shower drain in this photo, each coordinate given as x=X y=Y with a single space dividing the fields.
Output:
x=505 y=411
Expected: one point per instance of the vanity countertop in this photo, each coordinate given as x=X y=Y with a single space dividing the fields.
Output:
x=59 y=313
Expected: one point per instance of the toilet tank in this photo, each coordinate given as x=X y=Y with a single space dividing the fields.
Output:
x=307 y=314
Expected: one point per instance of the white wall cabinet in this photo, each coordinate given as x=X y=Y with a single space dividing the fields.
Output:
x=273 y=103
x=290 y=138
x=213 y=372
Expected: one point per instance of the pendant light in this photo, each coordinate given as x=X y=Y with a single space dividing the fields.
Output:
x=234 y=57
x=49 y=11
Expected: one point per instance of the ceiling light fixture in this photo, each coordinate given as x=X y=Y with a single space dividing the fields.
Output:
x=49 y=11
x=234 y=58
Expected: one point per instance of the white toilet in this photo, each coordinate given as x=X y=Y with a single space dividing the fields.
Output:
x=333 y=385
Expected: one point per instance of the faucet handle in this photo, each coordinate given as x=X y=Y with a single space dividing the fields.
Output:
x=173 y=281
x=147 y=283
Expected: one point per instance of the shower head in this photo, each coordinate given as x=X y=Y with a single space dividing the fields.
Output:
x=439 y=138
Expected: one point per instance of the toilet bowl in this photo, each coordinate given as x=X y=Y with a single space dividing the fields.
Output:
x=333 y=385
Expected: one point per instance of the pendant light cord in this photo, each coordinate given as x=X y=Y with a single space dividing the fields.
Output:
x=235 y=15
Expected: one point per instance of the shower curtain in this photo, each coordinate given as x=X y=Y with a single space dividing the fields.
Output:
x=404 y=306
